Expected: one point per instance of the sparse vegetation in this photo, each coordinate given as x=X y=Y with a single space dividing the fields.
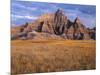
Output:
x=29 y=56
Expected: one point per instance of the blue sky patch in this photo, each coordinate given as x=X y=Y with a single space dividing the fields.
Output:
x=26 y=11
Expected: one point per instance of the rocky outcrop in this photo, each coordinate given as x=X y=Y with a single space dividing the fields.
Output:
x=52 y=23
x=57 y=25
x=77 y=31
x=92 y=33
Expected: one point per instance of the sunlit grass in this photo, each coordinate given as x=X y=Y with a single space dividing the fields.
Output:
x=29 y=56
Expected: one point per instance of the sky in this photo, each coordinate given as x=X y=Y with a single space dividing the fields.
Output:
x=26 y=11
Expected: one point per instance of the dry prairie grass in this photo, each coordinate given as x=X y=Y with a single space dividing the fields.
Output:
x=29 y=56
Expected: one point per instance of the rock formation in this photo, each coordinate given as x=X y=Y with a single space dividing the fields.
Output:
x=57 y=25
x=52 y=23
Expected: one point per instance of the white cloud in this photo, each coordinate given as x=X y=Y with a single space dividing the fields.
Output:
x=23 y=17
x=31 y=8
x=30 y=17
x=24 y=7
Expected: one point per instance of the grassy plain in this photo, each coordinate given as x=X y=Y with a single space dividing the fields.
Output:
x=29 y=56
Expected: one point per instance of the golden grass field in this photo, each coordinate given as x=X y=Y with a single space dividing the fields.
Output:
x=29 y=56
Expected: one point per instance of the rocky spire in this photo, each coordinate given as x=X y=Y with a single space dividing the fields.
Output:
x=59 y=22
x=77 y=20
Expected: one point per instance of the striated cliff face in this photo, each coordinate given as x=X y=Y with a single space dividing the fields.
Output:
x=52 y=23
x=77 y=31
x=58 y=24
